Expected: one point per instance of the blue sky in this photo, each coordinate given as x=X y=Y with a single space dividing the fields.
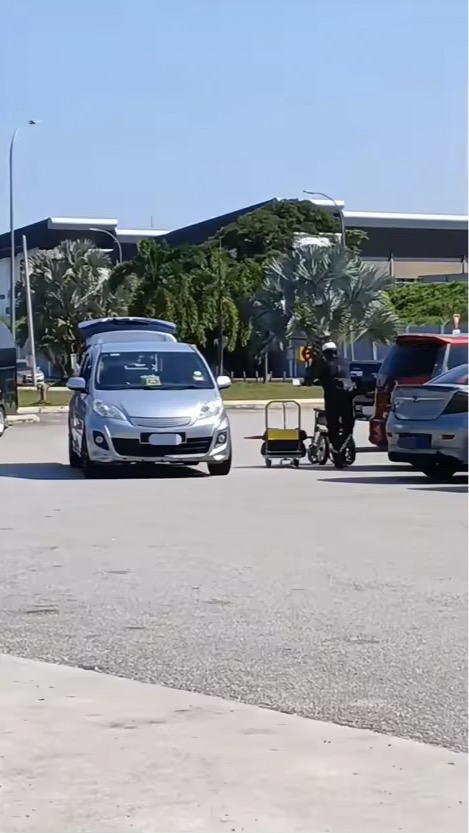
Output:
x=179 y=110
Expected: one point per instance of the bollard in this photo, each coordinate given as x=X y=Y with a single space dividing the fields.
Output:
x=42 y=389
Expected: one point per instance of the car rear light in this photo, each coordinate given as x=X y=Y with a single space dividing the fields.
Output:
x=457 y=404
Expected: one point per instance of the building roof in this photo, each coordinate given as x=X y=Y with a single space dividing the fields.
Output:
x=405 y=235
x=393 y=219
x=381 y=219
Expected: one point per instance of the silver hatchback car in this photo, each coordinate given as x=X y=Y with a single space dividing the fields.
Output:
x=427 y=426
x=143 y=397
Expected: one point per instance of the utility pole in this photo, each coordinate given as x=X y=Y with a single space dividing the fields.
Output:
x=12 y=234
x=29 y=311
x=220 y=311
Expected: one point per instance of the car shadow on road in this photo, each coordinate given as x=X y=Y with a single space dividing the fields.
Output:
x=396 y=479
x=62 y=471
x=369 y=449
x=307 y=467
x=38 y=471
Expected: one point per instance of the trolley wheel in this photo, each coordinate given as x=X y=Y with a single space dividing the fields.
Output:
x=295 y=463
x=268 y=463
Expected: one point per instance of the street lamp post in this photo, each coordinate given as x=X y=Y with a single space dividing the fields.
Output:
x=113 y=237
x=12 y=237
x=339 y=210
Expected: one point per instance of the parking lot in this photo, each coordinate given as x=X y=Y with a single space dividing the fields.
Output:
x=339 y=595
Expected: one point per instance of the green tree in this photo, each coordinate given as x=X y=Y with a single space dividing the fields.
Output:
x=194 y=286
x=432 y=303
x=322 y=292
x=68 y=284
x=271 y=229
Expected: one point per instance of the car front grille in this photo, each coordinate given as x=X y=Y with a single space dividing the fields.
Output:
x=134 y=448
x=161 y=422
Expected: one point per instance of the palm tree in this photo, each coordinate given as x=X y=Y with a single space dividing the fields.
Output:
x=321 y=292
x=69 y=284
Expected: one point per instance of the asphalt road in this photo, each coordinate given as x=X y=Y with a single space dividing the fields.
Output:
x=335 y=595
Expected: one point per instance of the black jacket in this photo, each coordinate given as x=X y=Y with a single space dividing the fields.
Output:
x=332 y=375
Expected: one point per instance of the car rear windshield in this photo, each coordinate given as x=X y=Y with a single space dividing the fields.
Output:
x=456 y=376
x=412 y=358
x=152 y=370
x=457 y=355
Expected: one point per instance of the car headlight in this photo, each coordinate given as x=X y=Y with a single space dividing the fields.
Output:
x=211 y=409
x=104 y=409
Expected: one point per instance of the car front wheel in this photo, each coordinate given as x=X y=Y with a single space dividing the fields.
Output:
x=3 y=422
x=74 y=459
x=88 y=468
x=220 y=469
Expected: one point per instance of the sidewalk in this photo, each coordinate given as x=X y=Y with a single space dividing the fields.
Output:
x=88 y=752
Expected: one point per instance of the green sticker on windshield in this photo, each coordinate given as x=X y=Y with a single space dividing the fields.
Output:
x=151 y=381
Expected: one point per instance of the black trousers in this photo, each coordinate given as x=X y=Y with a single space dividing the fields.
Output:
x=340 y=417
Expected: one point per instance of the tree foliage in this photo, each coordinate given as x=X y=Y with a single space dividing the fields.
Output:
x=68 y=284
x=431 y=303
x=271 y=229
x=193 y=286
x=321 y=292
x=200 y=286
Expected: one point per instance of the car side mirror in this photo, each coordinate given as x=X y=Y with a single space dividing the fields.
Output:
x=77 y=384
x=223 y=382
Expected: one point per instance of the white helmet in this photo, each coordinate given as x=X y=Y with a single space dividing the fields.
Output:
x=329 y=345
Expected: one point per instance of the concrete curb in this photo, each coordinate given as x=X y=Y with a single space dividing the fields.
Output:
x=244 y=404
x=43 y=409
x=87 y=751
x=21 y=419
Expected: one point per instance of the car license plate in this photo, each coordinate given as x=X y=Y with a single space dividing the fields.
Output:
x=165 y=439
x=414 y=441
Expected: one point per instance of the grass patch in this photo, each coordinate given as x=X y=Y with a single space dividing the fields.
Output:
x=250 y=391
x=30 y=398
x=271 y=390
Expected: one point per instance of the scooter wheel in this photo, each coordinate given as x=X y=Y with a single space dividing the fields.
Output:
x=350 y=453
x=322 y=450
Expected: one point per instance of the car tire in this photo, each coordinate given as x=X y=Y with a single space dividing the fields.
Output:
x=88 y=468
x=220 y=469
x=74 y=459
x=3 y=422
x=439 y=471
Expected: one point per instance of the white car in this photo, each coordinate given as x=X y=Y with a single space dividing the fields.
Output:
x=143 y=397
x=24 y=373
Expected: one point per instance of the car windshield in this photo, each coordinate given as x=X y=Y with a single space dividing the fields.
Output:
x=152 y=370
x=456 y=376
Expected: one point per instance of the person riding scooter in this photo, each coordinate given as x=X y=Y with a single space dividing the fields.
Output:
x=332 y=375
